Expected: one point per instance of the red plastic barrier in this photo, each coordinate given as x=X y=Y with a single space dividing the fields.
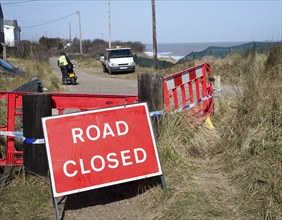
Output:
x=61 y=102
x=189 y=89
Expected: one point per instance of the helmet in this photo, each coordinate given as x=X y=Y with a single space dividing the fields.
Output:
x=63 y=53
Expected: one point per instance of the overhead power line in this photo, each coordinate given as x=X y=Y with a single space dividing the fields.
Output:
x=49 y=22
x=24 y=1
x=17 y=2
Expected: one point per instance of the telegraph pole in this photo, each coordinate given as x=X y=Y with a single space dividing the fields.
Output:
x=155 y=53
x=70 y=32
x=80 y=38
x=110 y=33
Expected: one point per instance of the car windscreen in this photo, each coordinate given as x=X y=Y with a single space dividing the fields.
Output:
x=120 y=53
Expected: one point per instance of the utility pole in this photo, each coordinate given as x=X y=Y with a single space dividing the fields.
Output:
x=80 y=38
x=155 y=53
x=110 y=33
x=70 y=32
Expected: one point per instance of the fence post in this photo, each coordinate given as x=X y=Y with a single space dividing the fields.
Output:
x=35 y=106
x=150 y=90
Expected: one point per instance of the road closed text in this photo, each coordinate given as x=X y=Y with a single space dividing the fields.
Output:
x=94 y=132
x=98 y=163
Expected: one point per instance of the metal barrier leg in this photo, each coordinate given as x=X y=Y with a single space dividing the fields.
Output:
x=163 y=182
x=56 y=208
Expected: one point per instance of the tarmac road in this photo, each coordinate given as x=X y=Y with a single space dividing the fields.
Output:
x=97 y=82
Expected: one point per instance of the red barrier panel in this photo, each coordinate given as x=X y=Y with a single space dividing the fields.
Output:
x=13 y=101
x=61 y=102
x=189 y=89
x=82 y=102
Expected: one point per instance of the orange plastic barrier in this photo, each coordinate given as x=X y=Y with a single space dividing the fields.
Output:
x=189 y=89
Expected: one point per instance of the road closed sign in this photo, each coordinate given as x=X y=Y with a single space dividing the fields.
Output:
x=97 y=148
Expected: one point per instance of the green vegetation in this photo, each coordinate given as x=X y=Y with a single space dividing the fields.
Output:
x=47 y=47
x=231 y=172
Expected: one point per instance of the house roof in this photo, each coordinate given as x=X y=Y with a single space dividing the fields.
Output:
x=13 y=23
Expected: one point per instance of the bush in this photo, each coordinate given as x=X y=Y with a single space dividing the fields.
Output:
x=29 y=51
x=54 y=46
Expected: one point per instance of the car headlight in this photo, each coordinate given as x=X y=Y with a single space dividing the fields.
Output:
x=131 y=63
x=113 y=64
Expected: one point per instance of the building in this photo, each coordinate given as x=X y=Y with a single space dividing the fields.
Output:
x=11 y=32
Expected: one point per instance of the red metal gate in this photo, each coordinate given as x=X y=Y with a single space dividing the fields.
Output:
x=60 y=102
x=189 y=89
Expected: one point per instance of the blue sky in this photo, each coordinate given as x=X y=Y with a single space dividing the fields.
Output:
x=183 y=21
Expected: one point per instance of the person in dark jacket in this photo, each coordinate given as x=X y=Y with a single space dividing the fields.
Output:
x=65 y=64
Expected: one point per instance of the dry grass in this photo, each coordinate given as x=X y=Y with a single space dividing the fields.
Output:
x=252 y=139
x=34 y=69
x=183 y=138
x=179 y=142
x=26 y=197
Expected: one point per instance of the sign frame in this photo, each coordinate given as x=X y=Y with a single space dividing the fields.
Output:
x=138 y=109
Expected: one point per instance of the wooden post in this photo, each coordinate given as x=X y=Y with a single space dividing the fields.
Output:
x=155 y=50
x=35 y=106
x=150 y=90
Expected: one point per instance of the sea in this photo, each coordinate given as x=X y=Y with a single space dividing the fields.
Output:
x=177 y=51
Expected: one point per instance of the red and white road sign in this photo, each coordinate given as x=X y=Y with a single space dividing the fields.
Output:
x=93 y=149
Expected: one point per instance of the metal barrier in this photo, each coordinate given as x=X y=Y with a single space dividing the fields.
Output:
x=60 y=102
x=189 y=89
